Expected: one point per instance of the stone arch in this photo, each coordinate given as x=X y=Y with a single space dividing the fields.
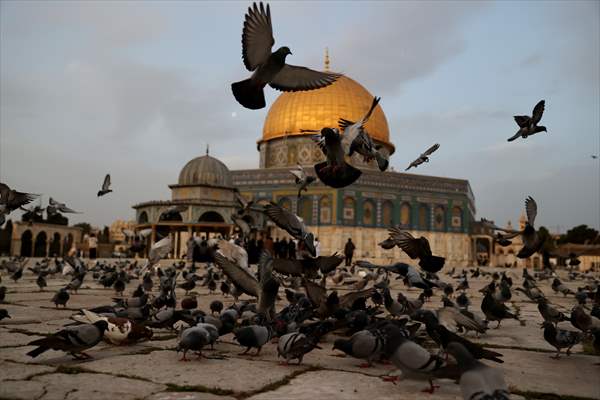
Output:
x=211 y=216
x=439 y=218
x=67 y=243
x=305 y=209
x=457 y=220
x=143 y=218
x=387 y=213
x=26 y=244
x=6 y=238
x=349 y=211
x=368 y=213
x=405 y=214
x=39 y=247
x=55 y=250
x=325 y=210
x=423 y=217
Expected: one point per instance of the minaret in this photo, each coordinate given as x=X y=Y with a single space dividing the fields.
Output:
x=327 y=59
x=207 y=148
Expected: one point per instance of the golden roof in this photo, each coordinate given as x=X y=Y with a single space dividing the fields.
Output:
x=315 y=109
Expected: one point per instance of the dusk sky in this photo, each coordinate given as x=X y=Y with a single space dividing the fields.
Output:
x=139 y=88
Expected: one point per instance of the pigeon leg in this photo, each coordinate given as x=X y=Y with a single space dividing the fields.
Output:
x=244 y=352
x=431 y=388
x=199 y=353
x=498 y=326
x=389 y=378
x=569 y=351
x=184 y=358
x=364 y=365
x=258 y=351
x=557 y=356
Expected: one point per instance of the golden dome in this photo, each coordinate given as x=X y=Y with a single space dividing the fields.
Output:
x=315 y=109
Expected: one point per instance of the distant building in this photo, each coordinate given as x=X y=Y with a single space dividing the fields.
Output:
x=116 y=230
x=40 y=239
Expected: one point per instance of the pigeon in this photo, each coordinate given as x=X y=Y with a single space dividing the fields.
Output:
x=549 y=313
x=477 y=380
x=61 y=297
x=560 y=287
x=189 y=303
x=532 y=242
x=417 y=248
x=334 y=171
x=4 y=314
x=11 y=199
x=291 y=224
x=173 y=212
x=233 y=253
x=495 y=310
x=253 y=336
x=560 y=338
x=529 y=125
x=302 y=179
x=193 y=338
x=240 y=277
x=73 y=340
x=268 y=286
x=363 y=344
x=244 y=205
x=216 y=306
x=158 y=251
x=424 y=157
x=243 y=225
x=270 y=68
x=55 y=206
x=295 y=345
x=356 y=139
x=41 y=282
x=105 y=186
x=582 y=321
x=119 y=330
x=2 y=293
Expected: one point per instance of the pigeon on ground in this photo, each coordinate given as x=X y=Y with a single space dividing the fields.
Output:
x=334 y=172
x=302 y=179
x=105 y=186
x=216 y=306
x=194 y=338
x=73 y=340
x=355 y=138
x=560 y=338
x=532 y=242
x=291 y=224
x=119 y=330
x=424 y=157
x=41 y=282
x=549 y=313
x=270 y=68
x=3 y=314
x=477 y=380
x=529 y=125
x=363 y=344
x=583 y=321
x=253 y=336
x=495 y=310
x=2 y=293
x=417 y=248
x=560 y=287
x=61 y=298
x=293 y=346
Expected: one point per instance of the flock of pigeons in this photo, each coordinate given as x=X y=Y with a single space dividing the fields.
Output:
x=377 y=326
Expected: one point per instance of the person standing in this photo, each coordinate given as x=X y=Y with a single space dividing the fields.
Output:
x=283 y=248
x=292 y=250
x=349 y=251
x=93 y=246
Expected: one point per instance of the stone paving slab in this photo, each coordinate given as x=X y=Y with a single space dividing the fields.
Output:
x=187 y=396
x=17 y=371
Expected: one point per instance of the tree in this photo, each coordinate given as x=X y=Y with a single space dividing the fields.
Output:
x=87 y=228
x=549 y=243
x=580 y=234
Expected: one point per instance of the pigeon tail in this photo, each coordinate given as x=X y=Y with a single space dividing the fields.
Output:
x=249 y=94
x=382 y=162
x=337 y=176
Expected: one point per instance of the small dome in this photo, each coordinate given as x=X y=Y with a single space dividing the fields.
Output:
x=205 y=170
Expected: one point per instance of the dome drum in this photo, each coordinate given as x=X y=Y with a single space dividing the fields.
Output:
x=207 y=171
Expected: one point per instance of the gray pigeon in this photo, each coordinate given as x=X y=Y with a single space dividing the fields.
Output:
x=73 y=340
x=529 y=125
x=240 y=277
x=4 y=314
x=363 y=344
x=334 y=171
x=270 y=68
x=61 y=297
x=356 y=139
x=294 y=346
x=532 y=243
x=61 y=207
x=477 y=380
x=424 y=157
x=105 y=186
x=302 y=179
x=268 y=285
x=194 y=338
x=253 y=336
x=10 y=199
x=291 y=224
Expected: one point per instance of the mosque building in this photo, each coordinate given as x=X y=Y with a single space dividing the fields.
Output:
x=440 y=209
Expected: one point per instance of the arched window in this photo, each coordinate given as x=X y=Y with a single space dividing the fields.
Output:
x=387 y=213
x=55 y=246
x=325 y=210
x=456 y=217
x=439 y=218
x=285 y=203
x=173 y=216
x=368 y=218
x=305 y=209
x=26 y=244
x=5 y=238
x=211 y=216
x=349 y=212
x=143 y=218
x=405 y=212
x=39 y=249
x=68 y=243
x=423 y=217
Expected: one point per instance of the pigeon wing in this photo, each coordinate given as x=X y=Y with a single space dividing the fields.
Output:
x=292 y=78
x=284 y=219
x=407 y=242
x=257 y=36
x=106 y=183
x=522 y=120
x=430 y=150
x=538 y=111
x=240 y=277
x=531 y=210
x=298 y=173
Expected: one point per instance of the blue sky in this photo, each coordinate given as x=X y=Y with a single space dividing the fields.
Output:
x=138 y=88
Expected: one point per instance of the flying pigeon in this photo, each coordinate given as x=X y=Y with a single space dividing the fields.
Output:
x=302 y=179
x=10 y=200
x=158 y=251
x=356 y=139
x=334 y=171
x=105 y=186
x=291 y=224
x=73 y=340
x=424 y=157
x=529 y=125
x=270 y=68
x=531 y=240
x=55 y=206
x=417 y=248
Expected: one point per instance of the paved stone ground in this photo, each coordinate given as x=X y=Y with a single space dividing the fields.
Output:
x=151 y=370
